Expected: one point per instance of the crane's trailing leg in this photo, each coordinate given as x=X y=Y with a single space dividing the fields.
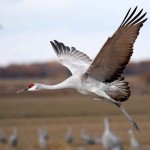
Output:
x=128 y=117
x=106 y=98
x=119 y=104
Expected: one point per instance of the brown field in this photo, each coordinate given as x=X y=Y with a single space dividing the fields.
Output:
x=29 y=112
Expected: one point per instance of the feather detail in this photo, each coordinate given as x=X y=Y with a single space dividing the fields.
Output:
x=73 y=59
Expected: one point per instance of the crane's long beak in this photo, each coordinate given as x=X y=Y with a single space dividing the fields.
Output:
x=24 y=90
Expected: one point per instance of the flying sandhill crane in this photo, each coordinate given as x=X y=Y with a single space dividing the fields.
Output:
x=69 y=135
x=42 y=141
x=3 y=137
x=109 y=140
x=87 y=138
x=101 y=78
x=13 y=140
x=133 y=142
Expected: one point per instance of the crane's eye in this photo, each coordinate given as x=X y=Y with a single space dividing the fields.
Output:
x=31 y=85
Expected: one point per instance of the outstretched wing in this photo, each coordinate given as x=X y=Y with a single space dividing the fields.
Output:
x=116 y=52
x=74 y=60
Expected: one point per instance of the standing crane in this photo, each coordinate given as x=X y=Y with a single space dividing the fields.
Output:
x=101 y=78
x=87 y=138
x=69 y=135
x=42 y=140
x=45 y=132
x=109 y=140
x=13 y=139
x=133 y=142
x=3 y=137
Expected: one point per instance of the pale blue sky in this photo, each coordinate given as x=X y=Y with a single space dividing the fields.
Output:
x=29 y=25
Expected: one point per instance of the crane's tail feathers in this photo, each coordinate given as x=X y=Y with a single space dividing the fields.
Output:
x=120 y=90
x=129 y=117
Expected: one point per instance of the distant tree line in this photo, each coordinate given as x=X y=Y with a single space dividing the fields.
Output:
x=137 y=68
x=52 y=69
x=55 y=69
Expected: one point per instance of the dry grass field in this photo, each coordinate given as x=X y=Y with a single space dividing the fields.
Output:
x=29 y=112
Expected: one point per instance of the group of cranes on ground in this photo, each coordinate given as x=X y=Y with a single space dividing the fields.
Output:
x=108 y=140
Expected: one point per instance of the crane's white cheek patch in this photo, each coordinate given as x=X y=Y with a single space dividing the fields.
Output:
x=32 y=89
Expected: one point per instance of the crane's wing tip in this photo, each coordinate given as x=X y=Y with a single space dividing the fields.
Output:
x=53 y=41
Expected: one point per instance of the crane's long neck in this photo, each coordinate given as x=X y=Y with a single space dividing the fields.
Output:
x=106 y=124
x=132 y=135
x=62 y=85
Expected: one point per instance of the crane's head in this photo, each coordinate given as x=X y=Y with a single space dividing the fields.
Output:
x=31 y=87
